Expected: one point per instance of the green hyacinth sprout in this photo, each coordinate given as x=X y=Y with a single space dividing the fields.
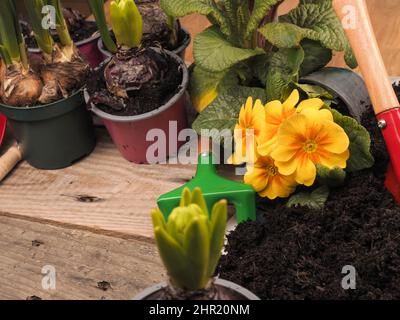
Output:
x=191 y=241
x=127 y=23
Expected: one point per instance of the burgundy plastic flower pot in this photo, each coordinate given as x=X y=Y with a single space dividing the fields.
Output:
x=131 y=134
x=88 y=48
x=179 y=51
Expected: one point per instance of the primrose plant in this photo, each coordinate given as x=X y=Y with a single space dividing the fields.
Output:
x=190 y=241
x=250 y=51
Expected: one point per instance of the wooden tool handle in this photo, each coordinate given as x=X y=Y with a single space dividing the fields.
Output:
x=357 y=24
x=9 y=160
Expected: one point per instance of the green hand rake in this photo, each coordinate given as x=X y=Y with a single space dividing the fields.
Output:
x=214 y=188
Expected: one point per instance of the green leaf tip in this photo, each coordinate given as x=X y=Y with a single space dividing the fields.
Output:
x=127 y=23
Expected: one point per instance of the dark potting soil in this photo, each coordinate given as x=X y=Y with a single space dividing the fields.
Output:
x=141 y=101
x=85 y=31
x=299 y=253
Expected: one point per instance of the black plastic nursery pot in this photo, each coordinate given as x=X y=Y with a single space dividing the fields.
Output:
x=185 y=39
x=231 y=289
x=343 y=84
x=53 y=136
x=130 y=133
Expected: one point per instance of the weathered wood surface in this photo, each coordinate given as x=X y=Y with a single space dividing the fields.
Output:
x=84 y=263
x=103 y=193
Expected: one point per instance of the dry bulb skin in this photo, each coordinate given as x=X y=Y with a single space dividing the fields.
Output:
x=131 y=70
x=65 y=74
x=22 y=87
x=155 y=26
x=19 y=87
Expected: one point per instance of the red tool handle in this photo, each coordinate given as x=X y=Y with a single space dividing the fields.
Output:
x=357 y=24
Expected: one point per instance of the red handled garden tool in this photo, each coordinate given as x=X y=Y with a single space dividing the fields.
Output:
x=3 y=123
x=386 y=105
x=12 y=156
x=214 y=188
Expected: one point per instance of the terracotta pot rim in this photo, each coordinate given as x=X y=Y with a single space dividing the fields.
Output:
x=170 y=103
x=223 y=283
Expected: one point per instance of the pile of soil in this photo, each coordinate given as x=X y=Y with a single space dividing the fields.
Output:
x=141 y=101
x=299 y=253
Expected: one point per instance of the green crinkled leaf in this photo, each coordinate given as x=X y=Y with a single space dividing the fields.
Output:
x=260 y=66
x=214 y=53
x=260 y=9
x=315 y=57
x=360 y=143
x=313 y=200
x=223 y=113
x=313 y=91
x=318 y=21
x=181 y=8
x=203 y=81
x=330 y=177
x=284 y=69
x=283 y=35
x=238 y=14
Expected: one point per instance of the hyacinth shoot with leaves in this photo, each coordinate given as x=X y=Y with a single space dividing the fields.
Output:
x=132 y=68
x=190 y=242
x=62 y=70
x=300 y=143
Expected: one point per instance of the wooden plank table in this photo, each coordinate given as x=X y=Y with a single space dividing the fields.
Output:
x=103 y=193
x=91 y=221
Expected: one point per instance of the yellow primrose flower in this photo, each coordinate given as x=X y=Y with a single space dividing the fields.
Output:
x=250 y=117
x=314 y=104
x=265 y=178
x=277 y=113
x=309 y=138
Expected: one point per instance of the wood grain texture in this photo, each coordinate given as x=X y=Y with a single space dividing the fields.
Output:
x=103 y=193
x=83 y=262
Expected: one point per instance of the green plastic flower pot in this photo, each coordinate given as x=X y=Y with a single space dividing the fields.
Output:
x=53 y=136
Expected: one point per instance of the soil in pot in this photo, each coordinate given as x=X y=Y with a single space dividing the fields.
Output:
x=150 y=95
x=299 y=253
x=80 y=29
